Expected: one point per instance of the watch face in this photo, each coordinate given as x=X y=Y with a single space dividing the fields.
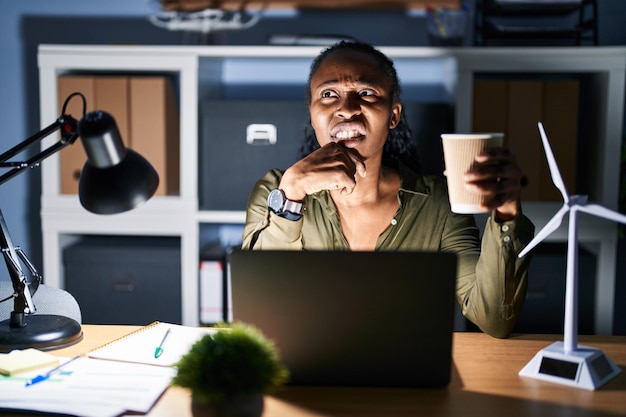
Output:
x=276 y=200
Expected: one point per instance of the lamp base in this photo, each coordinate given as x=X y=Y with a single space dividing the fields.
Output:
x=585 y=367
x=42 y=331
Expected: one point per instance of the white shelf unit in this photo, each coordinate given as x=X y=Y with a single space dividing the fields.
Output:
x=207 y=68
x=604 y=69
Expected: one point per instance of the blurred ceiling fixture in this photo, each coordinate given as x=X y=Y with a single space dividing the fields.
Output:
x=202 y=16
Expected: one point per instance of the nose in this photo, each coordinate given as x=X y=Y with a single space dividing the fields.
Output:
x=349 y=106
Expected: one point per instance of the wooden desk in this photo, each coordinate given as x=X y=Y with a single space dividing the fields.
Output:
x=485 y=383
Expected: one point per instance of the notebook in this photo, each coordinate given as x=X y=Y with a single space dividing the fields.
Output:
x=158 y=343
x=351 y=318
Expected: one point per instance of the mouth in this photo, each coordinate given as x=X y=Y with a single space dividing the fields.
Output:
x=346 y=133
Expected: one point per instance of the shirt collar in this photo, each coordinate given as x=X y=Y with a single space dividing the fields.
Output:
x=410 y=181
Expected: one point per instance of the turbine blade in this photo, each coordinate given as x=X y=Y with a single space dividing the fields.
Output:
x=555 y=173
x=550 y=227
x=600 y=211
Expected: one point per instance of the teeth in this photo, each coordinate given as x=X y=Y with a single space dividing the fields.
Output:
x=348 y=134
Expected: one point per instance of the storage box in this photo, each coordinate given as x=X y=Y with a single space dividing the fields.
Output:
x=146 y=113
x=125 y=280
x=154 y=129
x=72 y=158
x=240 y=141
x=544 y=306
x=515 y=107
x=427 y=122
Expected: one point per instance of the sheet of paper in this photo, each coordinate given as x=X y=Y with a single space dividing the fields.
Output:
x=82 y=410
x=89 y=388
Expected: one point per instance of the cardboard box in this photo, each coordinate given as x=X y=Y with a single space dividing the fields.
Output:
x=112 y=97
x=154 y=129
x=560 y=121
x=147 y=117
x=107 y=93
x=490 y=106
x=524 y=105
x=515 y=107
x=72 y=158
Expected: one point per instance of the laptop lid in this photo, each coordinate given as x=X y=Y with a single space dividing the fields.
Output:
x=351 y=318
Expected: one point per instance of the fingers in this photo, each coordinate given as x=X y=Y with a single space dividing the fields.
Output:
x=497 y=176
x=332 y=167
x=360 y=167
x=354 y=165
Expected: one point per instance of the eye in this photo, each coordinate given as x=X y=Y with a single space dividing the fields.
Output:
x=328 y=94
x=367 y=92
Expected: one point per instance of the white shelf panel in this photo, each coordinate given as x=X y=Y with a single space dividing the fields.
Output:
x=234 y=217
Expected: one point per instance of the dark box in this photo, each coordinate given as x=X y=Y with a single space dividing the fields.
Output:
x=238 y=145
x=544 y=306
x=125 y=280
x=427 y=122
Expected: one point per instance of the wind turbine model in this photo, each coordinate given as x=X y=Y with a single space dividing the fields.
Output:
x=566 y=362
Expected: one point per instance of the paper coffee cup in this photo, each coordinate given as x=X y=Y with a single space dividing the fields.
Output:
x=460 y=150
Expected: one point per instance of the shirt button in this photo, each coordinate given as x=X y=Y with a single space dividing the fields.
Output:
x=506 y=239
x=394 y=222
x=505 y=228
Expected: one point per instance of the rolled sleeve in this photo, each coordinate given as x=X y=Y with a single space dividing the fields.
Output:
x=495 y=299
x=264 y=229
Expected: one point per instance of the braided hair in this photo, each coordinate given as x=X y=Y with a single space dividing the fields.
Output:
x=399 y=146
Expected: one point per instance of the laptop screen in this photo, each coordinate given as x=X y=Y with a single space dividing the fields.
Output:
x=351 y=318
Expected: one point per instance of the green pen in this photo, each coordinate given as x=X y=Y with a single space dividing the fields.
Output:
x=159 y=350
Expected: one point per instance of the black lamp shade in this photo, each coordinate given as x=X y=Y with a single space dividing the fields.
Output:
x=114 y=179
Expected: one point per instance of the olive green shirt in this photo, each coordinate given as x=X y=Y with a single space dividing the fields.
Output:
x=491 y=280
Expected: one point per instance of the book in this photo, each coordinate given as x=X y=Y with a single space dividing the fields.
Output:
x=18 y=361
x=211 y=291
x=158 y=343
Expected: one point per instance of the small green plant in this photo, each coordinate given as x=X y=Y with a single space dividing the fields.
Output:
x=237 y=360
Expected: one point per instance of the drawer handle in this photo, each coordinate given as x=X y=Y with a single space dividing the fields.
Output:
x=123 y=284
x=261 y=134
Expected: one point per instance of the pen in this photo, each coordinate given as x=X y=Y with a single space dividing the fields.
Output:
x=159 y=350
x=47 y=375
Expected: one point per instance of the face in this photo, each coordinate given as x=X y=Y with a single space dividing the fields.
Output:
x=351 y=103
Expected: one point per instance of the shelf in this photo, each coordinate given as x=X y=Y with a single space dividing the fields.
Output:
x=309 y=4
x=443 y=76
x=548 y=21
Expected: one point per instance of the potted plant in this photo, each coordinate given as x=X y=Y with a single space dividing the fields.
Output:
x=229 y=371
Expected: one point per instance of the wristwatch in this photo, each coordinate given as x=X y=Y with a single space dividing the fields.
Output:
x=283 y=207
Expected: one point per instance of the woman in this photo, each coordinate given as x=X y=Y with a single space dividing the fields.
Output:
x=359 y=188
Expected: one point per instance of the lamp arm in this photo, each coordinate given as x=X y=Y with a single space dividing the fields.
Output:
x=23 y=303
x=69 y=134
x=22 y=288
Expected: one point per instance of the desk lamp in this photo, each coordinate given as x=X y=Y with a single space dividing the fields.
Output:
x=567 y=362
x=114 y=179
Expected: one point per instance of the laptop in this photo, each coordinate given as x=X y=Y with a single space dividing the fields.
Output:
x=345 y=318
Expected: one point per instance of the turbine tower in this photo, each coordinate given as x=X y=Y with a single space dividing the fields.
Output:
x=567 y=362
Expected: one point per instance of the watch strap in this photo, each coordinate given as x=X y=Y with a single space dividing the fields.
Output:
x=294 y=207
x=289 y=215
